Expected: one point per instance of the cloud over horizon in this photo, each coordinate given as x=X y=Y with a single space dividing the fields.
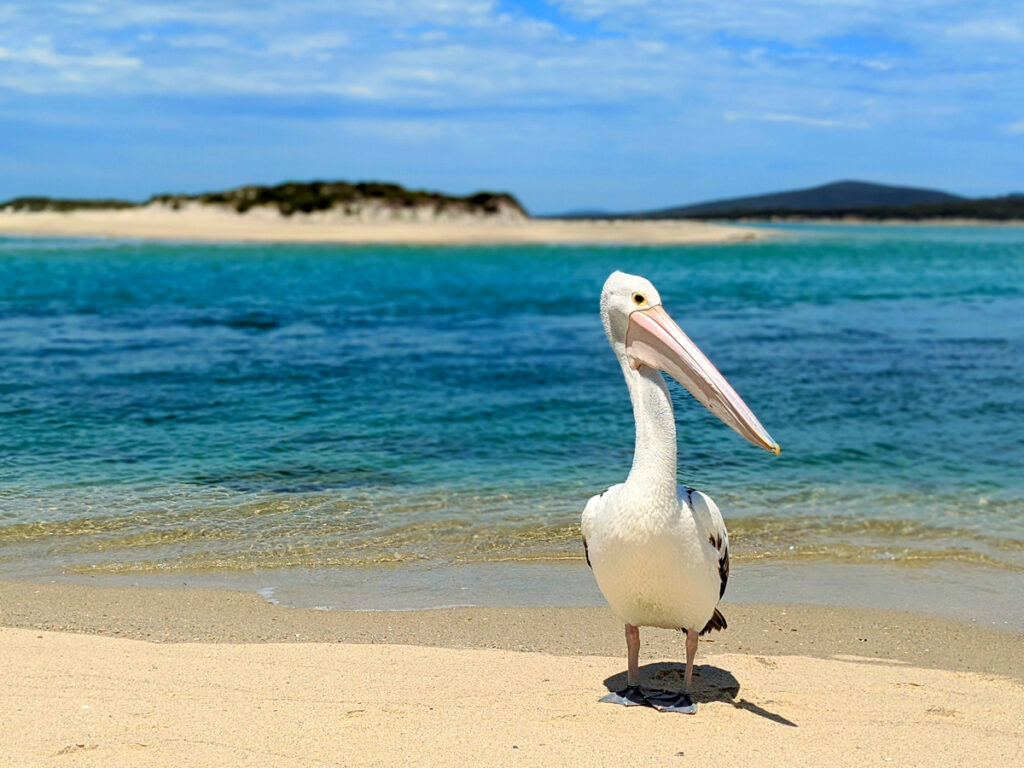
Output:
x=568 y=103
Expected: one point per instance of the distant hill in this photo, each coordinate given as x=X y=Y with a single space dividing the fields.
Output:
x=303 y=197
x=581 y=213
x=837 y=196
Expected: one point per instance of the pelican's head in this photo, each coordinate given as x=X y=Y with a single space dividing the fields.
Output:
x=642 y=334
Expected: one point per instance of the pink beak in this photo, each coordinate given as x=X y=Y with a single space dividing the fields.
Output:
x=653 y=339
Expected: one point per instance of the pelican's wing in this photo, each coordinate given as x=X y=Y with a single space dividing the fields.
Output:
x=588 y=520
x=590 y=511
x=709 y=519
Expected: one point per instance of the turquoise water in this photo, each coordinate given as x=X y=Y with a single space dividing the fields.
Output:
x=182 y=407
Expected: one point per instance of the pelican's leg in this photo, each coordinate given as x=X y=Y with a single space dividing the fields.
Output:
x=632 y=695
x=633 y=654
x=691 y=652
x=676 y=701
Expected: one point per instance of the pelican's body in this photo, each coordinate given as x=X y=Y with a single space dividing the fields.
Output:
x=659 y=562
x=660 y=553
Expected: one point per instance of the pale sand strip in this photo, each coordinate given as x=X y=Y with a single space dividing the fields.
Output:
x=79 y=700
x=212 y=615
x=212 y=224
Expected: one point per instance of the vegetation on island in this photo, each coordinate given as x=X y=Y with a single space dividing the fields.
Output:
x=296 y=197
x=307 y=197
x=838 y=200
x=63 y=205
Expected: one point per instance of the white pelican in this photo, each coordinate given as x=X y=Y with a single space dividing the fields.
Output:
x=660 y=553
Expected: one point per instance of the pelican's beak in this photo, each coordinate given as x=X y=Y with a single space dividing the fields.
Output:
x=653 y=339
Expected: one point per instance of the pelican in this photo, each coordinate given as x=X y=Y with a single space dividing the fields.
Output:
x=660 y=553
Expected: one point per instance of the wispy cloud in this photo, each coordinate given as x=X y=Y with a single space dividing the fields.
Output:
x=810 y=122
x=314 y=44
x=1001 y=30
x=481 y=49
x=625 y=85
x=220 y=42
x=41 y=53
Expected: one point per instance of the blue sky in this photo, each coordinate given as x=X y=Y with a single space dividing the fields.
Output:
x=567 y=103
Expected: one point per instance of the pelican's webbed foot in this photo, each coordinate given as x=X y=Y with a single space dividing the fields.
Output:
x=670 y=701
x=631 y=696
x=663 y=701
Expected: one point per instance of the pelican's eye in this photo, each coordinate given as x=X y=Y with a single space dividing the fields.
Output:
x=639 y=299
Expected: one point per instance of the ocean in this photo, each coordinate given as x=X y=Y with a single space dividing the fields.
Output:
x=203 y=410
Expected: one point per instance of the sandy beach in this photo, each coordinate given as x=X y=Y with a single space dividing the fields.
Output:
x=138 y=677
x=209 y=223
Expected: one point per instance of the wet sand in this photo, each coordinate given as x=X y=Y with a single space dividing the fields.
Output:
x=207 y=223
x=127 y=676
x=168 y=615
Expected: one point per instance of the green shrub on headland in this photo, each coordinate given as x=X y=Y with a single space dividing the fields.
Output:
x=63 y=205
x=295 y=197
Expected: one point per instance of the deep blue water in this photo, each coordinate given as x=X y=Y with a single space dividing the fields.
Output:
x=176 y=406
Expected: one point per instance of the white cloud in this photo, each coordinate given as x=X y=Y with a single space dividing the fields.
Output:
x=1015 y=129
x=782 y=20
x=1001 y=30
x=782 y=117
x=795 y=62
x=85 y=9
x=204 y=40
x=309 y=44
x=42 y=54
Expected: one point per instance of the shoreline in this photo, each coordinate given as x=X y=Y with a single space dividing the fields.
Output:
x=103 y=676
x=201 y=614
x=216 y=225
x=960 y=592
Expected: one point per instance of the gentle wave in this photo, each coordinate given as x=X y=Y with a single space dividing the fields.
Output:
x=282 y=540
x=177 y=406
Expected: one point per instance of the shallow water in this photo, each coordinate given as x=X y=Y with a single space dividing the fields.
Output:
x=183 y=407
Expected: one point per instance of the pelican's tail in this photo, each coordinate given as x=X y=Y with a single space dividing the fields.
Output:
x=717 y=622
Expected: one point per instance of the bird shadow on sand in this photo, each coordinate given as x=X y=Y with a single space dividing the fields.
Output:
x=709 y=684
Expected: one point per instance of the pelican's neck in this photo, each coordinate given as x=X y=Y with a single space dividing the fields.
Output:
x=654 y=460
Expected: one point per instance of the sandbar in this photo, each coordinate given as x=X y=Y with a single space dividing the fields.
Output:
x=209 y=223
